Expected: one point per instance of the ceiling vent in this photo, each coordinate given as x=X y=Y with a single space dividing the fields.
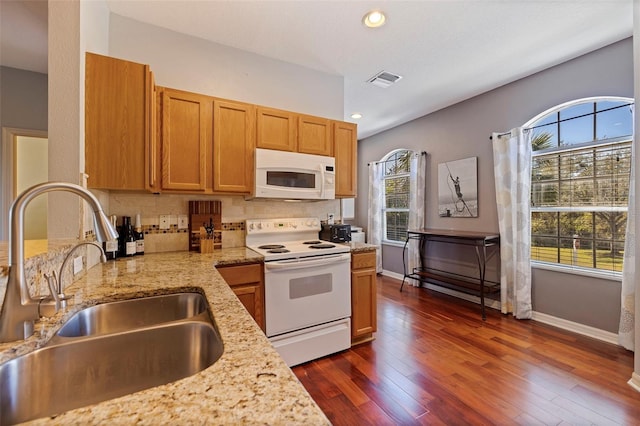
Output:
x=384 y=79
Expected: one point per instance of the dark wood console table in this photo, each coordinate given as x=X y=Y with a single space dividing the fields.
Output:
x=476 y=285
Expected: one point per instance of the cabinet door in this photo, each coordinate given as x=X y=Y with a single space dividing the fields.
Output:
x=247 y=283
x=233 y=146
x=276 y=129
x=345 y=140
x=186 y=136
x=250 y=295
x=363 y=299
x=117 y=122
x=314 y=135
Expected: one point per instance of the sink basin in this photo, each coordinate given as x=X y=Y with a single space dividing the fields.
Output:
x=111 y=350
x=81 y=372
x=114 y=317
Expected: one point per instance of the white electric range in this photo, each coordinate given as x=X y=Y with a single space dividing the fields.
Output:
x=307 y=288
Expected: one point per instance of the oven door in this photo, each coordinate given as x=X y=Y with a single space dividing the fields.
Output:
x=301 y=293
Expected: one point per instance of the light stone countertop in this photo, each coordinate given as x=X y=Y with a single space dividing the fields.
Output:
x=357 y=247
x=249 y=384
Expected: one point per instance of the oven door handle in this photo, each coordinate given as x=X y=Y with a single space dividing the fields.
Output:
x=306 y=263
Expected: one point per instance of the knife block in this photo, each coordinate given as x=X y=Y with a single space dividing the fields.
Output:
x=200 y=214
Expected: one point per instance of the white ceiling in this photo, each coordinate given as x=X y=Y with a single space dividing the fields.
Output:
x=446 y=51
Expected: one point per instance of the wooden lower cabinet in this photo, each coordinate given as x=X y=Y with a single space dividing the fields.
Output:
x=247 y=283
x=364 y=320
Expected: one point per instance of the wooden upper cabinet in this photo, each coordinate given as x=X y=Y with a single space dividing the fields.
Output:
x=234 y=143
x=185 y=139
x=345 y=150
x=118 y=110
x=314 y=135
x=276 y=129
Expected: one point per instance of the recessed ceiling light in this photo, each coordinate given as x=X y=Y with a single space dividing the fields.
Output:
x=374 y=19
x=356 y=115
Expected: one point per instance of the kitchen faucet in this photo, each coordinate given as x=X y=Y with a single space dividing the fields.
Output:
x=56 y=283
x=19 y=309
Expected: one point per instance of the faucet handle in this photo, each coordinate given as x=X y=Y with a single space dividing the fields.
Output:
x=46 y=308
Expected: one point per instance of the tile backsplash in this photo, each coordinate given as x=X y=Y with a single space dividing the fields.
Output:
x=235 y=209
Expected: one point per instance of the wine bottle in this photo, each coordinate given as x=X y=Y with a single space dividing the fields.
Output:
x=128 y=239
x=111 y=247
x=139 y=236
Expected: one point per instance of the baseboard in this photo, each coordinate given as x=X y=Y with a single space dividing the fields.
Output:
x=391 y=274
x=585 y=330
x=489 y=303
x=634 y=381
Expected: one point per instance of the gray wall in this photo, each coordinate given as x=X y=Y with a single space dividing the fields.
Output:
x=462 y=130
x=23 y=99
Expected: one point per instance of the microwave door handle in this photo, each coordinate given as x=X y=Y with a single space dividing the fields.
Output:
x=322 y=181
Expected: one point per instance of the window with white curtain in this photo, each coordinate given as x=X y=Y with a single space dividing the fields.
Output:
x=396 y=195
x=581 y=165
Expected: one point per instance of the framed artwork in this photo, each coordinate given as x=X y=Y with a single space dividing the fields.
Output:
x=458 y=188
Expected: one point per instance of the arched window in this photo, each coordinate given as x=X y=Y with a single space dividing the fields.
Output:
x=396 y=183
x=581 y=165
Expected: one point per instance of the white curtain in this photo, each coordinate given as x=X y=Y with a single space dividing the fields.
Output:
x=627 y=313
x=417 y=182
x=374 y=225
x=512 y=170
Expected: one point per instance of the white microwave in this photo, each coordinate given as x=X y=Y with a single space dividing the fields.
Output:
x=294 y=176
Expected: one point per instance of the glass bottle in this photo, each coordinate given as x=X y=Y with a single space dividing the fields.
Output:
x=139 y=236
x=127 y=238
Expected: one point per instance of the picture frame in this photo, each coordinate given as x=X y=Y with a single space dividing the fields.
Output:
x=458 y=188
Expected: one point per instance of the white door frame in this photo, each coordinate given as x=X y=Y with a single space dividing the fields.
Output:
x=9 y=135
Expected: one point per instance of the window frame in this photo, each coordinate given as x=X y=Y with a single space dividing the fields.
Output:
x=406 y=174
x=594 y=144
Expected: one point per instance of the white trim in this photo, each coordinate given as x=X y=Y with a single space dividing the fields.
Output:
x=393 y=243
x=576 y=102
x=576 y=270
x=489 y=303
x=392 y=274
x=634 y=381
x=585 y=330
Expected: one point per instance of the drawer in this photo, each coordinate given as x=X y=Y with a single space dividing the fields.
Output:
x=363 y=260
x=242 y=274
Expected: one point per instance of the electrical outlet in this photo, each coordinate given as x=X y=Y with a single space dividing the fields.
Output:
x=183 y=221
x=164 y=221
x=77 y=265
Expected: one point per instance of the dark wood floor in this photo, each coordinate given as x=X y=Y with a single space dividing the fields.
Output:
x=434 y=361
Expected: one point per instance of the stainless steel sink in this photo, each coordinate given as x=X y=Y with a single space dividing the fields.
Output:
x=114 y=317
x=71 y=373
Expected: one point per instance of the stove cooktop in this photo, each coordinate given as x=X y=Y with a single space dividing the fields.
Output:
x=289 y=238
x=297 y=249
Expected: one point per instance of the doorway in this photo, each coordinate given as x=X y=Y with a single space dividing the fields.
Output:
x=24 y=164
